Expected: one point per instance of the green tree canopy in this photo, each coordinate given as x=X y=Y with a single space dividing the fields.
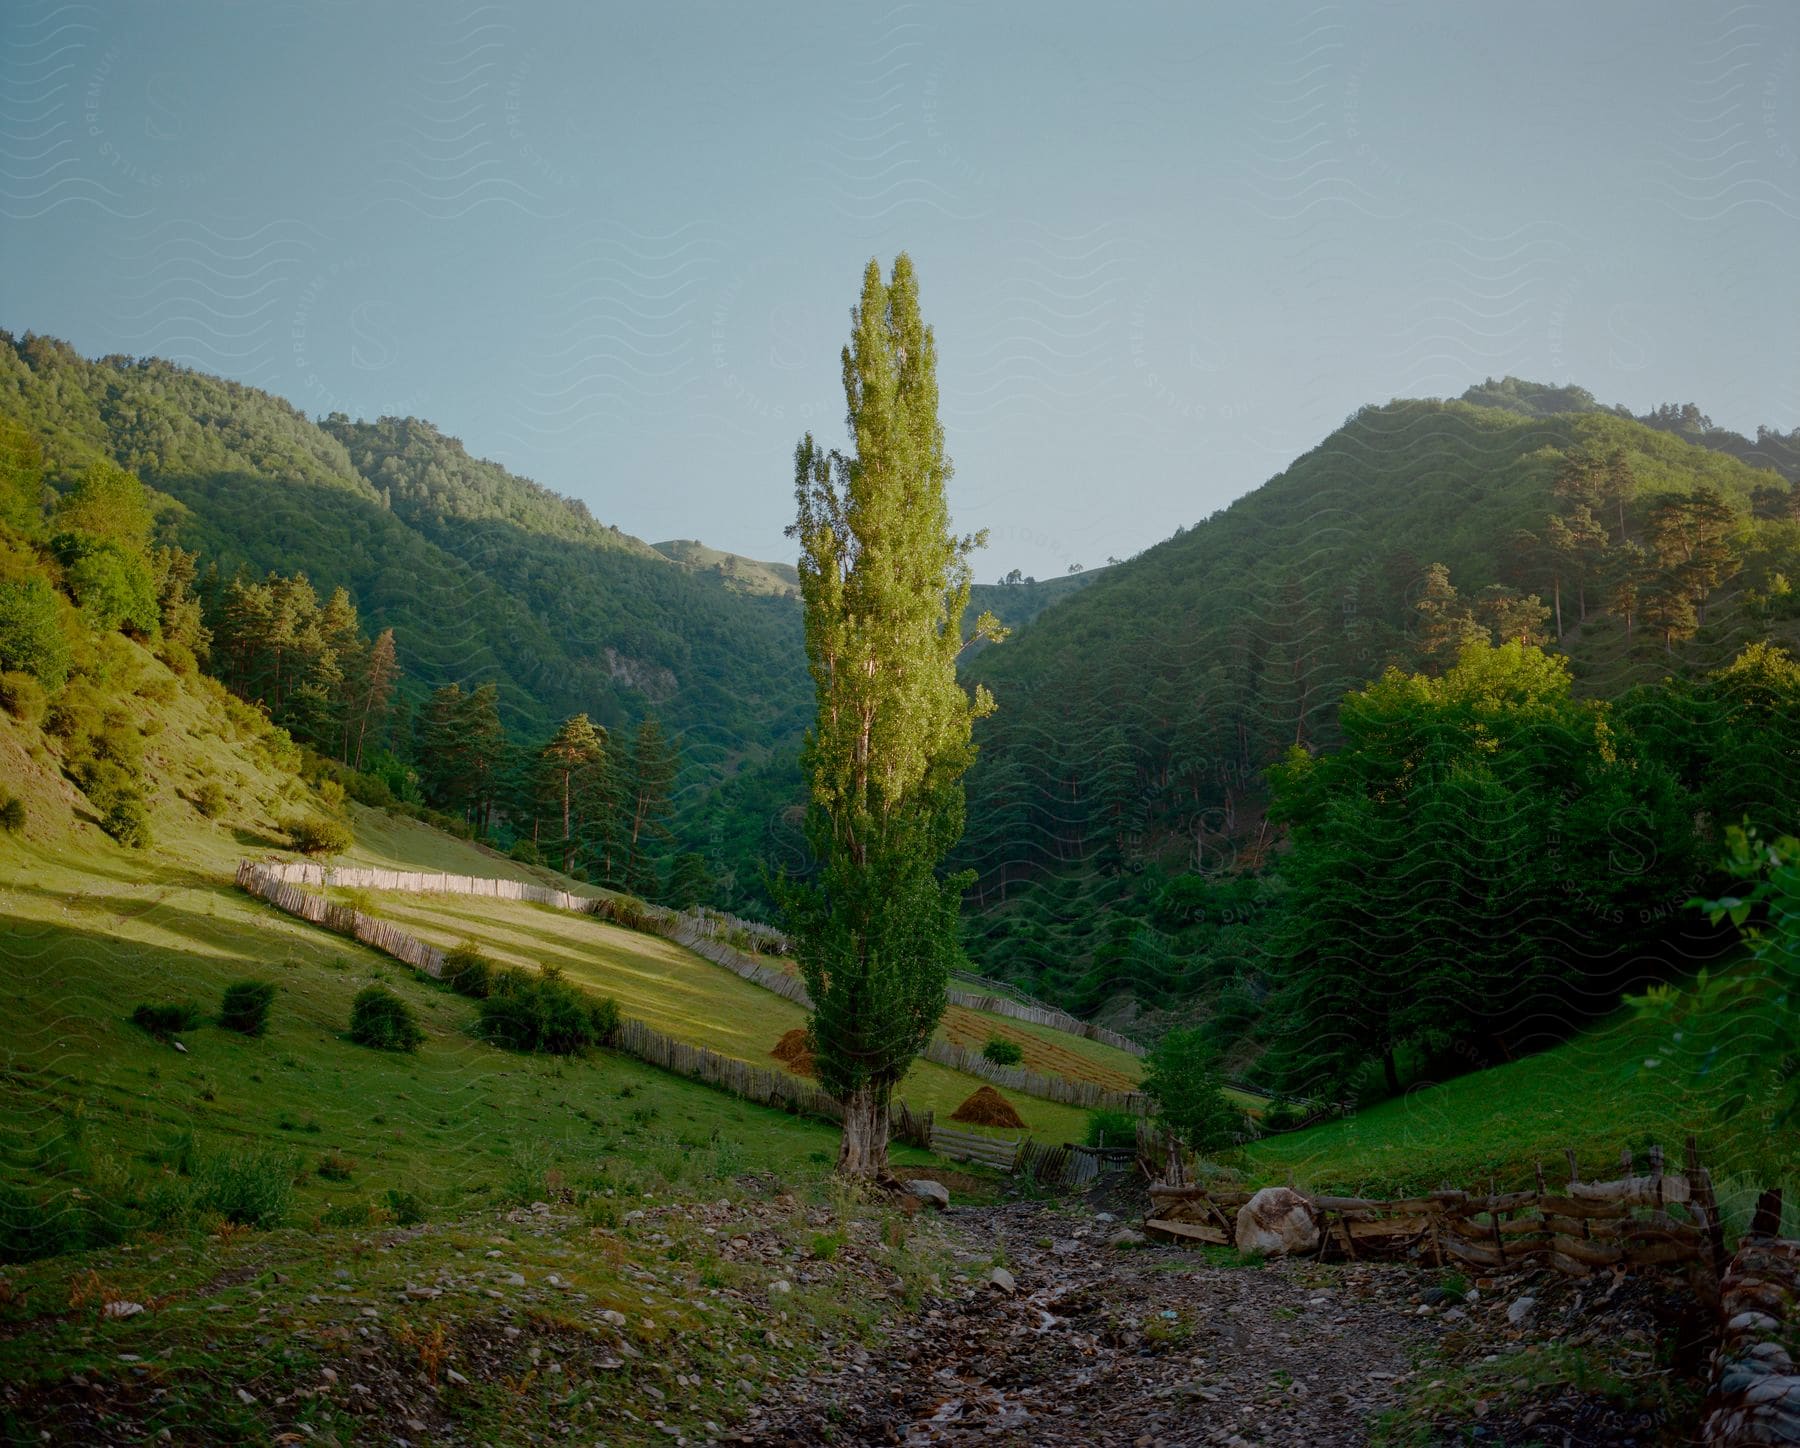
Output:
x=884 y=584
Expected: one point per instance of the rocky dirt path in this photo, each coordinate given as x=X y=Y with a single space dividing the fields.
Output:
x=1078 y=1341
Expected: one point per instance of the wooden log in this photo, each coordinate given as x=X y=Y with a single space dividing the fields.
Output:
x=1648 y=1191
x=1473 y=1254
x=1186 y=1231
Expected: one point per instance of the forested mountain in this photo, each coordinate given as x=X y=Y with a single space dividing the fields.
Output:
x=483 y=576
x=1117 y=817
x=488 y=649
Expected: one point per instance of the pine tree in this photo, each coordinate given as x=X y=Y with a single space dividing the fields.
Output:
x=649 y=801
x=571 y=764
x=1445 y=621
x=375 y=691
x=884 y=584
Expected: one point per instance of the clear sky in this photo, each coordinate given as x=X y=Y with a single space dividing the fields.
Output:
x=1166 y=248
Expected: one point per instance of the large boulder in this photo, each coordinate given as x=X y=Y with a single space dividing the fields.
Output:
x=1277 y=1222
x=933 y=1194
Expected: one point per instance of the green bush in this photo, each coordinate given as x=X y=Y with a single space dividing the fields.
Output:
x=245 y=1008
x=31 y=633
x=32 y=1227
x=12 y=814
x=379 y=1018
x=1280 y=1117
x=525 y=852
x=1003 y=1052
x=314 y=836
x=1111 y=1128
x=404 y=1207
x=127 y=820
x=370 y=790
x=254 y=1189
x=114 y=587
x=334 y=1166
x=158 y=689
x=210 y=799
x=169 y=1018
x=23 y=697
x=545 y=1013
x=468 y=972
x=628 y=911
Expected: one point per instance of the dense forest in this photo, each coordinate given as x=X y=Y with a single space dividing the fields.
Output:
x=1120 y=818
x=1452 y=629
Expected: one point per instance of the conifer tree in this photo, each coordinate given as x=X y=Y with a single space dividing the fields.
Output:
x=649 y=786
x=571 y=764
x=884 y=584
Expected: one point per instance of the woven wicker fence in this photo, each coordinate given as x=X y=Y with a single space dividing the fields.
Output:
x=1659 y=1219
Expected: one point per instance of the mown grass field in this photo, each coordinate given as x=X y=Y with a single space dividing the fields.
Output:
x=92 y=929
x=669 y=988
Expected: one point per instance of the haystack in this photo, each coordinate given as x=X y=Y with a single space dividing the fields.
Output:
x=792 y=1051
x=987 y=1107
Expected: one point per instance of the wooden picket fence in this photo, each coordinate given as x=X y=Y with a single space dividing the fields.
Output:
x=1068 y=1165
x=1004 y=1001
x=700 y=931
x=268 y=884
x=697 y=1063
x=633 y=1037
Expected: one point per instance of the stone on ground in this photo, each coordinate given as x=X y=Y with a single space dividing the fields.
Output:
x=1278 y=1222
x=933 y=1193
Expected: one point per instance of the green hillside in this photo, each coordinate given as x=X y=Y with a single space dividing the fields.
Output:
x=483 y=576
x=1118 y=812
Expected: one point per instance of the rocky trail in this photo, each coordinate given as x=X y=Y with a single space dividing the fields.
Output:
x=769 y=1319
x=1089 y=1335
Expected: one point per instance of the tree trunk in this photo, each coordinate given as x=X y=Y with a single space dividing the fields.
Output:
x=863 y=1154
x=1390 y=1071
x=1556 y=593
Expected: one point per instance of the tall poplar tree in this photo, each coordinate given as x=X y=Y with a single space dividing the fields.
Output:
x=884 y=584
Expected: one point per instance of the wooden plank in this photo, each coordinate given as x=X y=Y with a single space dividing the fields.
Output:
x=1186 y=1231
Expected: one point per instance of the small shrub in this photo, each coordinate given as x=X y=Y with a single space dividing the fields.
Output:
x=334 y=1166
x=210 y=799
x=628 y=911
x=1280 y=1117
x=245 y=1008
x=314 y=836
x=12 y=814
x=1003 y=1052
x=127 y=820
x=1111 y=1128
x=525 y=852
x=468 y=972
x=167 y=1019
x=346 y=1214
x=167 y=1202
x=252 y=1189
x=545 y=1013
x=22 y=696
x=380 y=1019
x=158 y=688
x=404 y=1207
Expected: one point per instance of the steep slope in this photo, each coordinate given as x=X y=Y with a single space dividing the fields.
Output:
x=1135 y=719
x=482 y=575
